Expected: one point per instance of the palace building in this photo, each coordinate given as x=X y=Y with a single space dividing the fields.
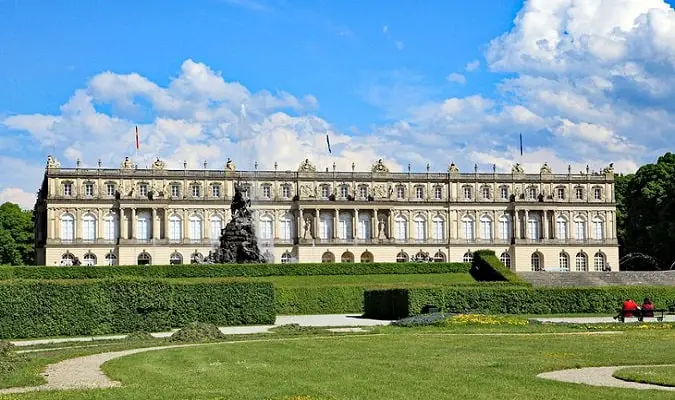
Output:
x=130 y=215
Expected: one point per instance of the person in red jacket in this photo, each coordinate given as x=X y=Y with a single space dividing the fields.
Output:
x=647 y=308
x=629 y=307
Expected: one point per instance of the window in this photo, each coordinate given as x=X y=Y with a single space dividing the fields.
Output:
x=195 y=191
x=599 y=262
x=110 y=230
x=420 y=226
x=581 y=262
x=110 y=259
x=438 y=228
x=215 y=191
x=504 y=192
x=363 y=192
x=344 y=191
x=286 y=191
x=325 y=226
x=244 y=190
x=266 y=191
x=400 y=192
x=67 y=259
x=532 y=193
x=195 y=228
x=561 y=228
x=366 y=257
x=345 y=228
x=486 y=227
x=505 y=258
x=67 y=228
x=597 y=194
x=468 y=257
x=347 y=257
x=175 y=228
x=401 y=228
x=144 y=259
x=266 y=228
x=143 y=227
x=175 y=191
x=467 y=192
x=580 y=228
x=419 y=192
x=598 y=228
x=561 y=193
x=175 y=258
x=364 y=228
x=439 y=256
x=216 y=227
x=143 y=190
x=438 y=192
x=325 y=191
x=88 y=228
x=505 y=227
x=110 y=189
x=89 y=189
x=402 y=257
x=197 y=257
x=89 y=259
x=533 y=231
x=67 y=189
x=286 y=227
x=468 y=228
x=286 y=258
x=328 y=257
x=485 y=192
x=535 y=261
x=564 y=261
x=579 y=193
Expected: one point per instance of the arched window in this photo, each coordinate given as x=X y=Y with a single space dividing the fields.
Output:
x=364 y=230
x=505 y=227
x=486 y=227
x=401 y=228
x=216 y=227
x=175 y=258
x=286 y=227
x=439 y=256
x=533 y=231
x=468 y=257
x=598 y=228
x=564 y=260
x=266 y=227
x=110 y=227
x=347 y=257
x=505 y=258
x=90 y=259
x=144 y=259
x=402 y=256
x=89 y=227
x=175 y=228
x=325 y=226
x=286 y=258
x=328 y=257
x=67 y=228
x=599 y=261
x=196 y=257
x=535 y=261
x=345 y=227
x=580 y=228
x=67 y=259
x=195 y=228
x=561 y=228
x=143 y=226
x=110 y=259
x=581 y=262
x=366 y=257
x=420 y=225
x=438 y=228
x=467 y=227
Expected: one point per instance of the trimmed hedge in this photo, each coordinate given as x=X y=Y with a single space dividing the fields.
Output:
x=95 y=307
x=229 y=270
x=487 y=267
x=401 y=303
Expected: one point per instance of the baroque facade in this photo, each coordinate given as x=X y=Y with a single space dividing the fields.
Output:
x=129 y=215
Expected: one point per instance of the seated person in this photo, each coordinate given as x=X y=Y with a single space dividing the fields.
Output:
x=648 y=308
x=629 y=307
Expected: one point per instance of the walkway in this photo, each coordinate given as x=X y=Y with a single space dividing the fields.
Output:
x=598 y=320
x=602 y=376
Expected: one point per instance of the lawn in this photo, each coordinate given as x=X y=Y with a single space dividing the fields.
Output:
x=400 y=363
x=664 y=375
x=387 y=280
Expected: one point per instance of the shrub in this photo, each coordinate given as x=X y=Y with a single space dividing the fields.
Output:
x=8 y=357
x=487 y=267
x=319 y=300
x=480 y=319
x=89 y=307
x=197 y=332
x=421 y=320
x=139 y=336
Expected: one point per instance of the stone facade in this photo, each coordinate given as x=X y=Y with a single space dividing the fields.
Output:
x=158 y=216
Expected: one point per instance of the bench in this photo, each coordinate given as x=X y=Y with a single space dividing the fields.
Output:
x=658 y=313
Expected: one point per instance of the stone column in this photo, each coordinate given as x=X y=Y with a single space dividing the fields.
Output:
x=99 y=224
x=167 y=212
x=516 y=224
x=355 y=225
x=410 y=233
x=300 y=224
x=51 y=224
x=133 y=223
x=276 y=214
x=154 y=224
x=476 y=225
x=527 y=223
x=78 y=224
x=205 y=221
x=606 y=228
x=554 y=233
x=495 y=221
x=588 y=226
x=123 y=228
x=391 y=223
x=546 y=233
x=427 y=234
x=336 y=221
x=186 y=216
x=374 y=225
x=316 y=223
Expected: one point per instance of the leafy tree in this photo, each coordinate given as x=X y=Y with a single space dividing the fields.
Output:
x=16 y=235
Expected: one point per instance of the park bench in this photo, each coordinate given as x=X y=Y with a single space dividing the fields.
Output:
x=657 y=313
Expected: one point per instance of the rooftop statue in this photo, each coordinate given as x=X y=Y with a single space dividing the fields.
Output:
x=517 y=169
x=158 y=164
x=52 y=163
x=545 y=169
x=306 y=166
x=229 y=165
x=453 y=168
x=127 y=163
x=379 y=167
x=609 y=169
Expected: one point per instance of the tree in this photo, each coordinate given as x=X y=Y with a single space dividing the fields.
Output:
x=16 y=235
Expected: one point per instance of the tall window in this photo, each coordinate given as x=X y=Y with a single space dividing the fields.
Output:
x=88 y=189
x=532 y=193
x=598 y=228
x=468 y=257
x=505 y=258
x=579 y=193
x=438 y=192
x=438 y=228
x=467 y=192
x=485 y=227
x=110 y=231
x=363 y=192
x=143 y=226
x=286 y=191
x=345 y=227
x=195 y=228
x=110 y=189
x=504 y=192
x=215 y=190
x=364 y=228
x=67 y=227
x=598 y=261
x=579 y=228
x=344 y=191
x=175 y=228
x=325 y=191
x=286 y=227
x=195 y=190
x=561 y=193
x=216 y=227
x=175 y=191
x=89 y=228
x=401 y=228
x=486 y=192
x=581 y=262
x=67 y=189
x=400 y=192
x=325 y=226
x=419 y=192
x=468 y=228
x=561 y=228
x=266 y=191
x=266 y=228
x=420 y=225
x=535 y=261
x=533 y=228
x=505 y=227
x=143 y=190
x=597 y=194
x=564 y=261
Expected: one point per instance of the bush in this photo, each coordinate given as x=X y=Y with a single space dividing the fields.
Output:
x=94 y=307
x=197 y=332
x=139 y=336
x=8 y=357
x=401 y=303
x=319 y=300
x=229 y=270
x=487 y=267
x=422 y=320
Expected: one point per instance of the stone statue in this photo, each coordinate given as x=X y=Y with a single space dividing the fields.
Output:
x=229 y=165
x=306 y=166
x=307 y=233
x=379 y=167
x=127 y=164
x=158 y=164
x=453 y=168
x=545 y=169
x=517 y=169
x=52 y=163
x=381 y=234
x=609 y=169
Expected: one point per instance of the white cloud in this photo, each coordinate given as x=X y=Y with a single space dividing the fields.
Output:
x=456 y=78
x=472 y=66
x=399 y=44
x=15 y=195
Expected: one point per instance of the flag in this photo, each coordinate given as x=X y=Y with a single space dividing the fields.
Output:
x=521 y=144
x=328 y=142
x=137 y=142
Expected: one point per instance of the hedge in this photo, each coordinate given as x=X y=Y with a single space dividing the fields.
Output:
x=229 y=270
x=487 y=267
x=405 y=302
x=95 y=307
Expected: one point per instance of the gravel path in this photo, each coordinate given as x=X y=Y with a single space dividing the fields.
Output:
x=601 y=376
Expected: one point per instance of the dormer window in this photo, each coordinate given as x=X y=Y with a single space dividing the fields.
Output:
x=400 y=192
x=67 y=189
x=89 y=189
x=143 y=190
x=175 y=190
x=438 y=193
x=266 y=191
x=419 y=192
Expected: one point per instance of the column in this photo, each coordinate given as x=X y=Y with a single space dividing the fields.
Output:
x=427 y=234
x=99 y=224
x=526 y=223
x=316 y=223
x=51 y=224
x=606 y=227
x=545 y=224
x=78 y=224
x=588 y=225
x=123 y=227
x=336 y=221
x=355 y=225
x=410 y=226
x=206 y=227
x=516 y=224
x=186 y=215
x=495 y=221
x=374 y=225
x=554 y=234
x=154 y=224
x=476 y=225
x=166 y=222
x=276 y=214
x=390 y=225
x=133 y=223
x=300 y=224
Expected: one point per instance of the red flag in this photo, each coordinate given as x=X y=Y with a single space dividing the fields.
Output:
x=137 y=142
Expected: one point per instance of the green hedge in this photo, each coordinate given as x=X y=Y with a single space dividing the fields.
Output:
x=94 y=307
x=400 y=303
x=487 y=267
x=229 y=270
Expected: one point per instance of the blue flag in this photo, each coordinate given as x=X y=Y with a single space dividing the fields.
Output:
x=328 y=142
x=521 y=144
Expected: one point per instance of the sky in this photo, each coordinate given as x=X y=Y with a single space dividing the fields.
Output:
x=586 y=82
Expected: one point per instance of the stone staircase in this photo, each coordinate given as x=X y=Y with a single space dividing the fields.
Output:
x=620 y=278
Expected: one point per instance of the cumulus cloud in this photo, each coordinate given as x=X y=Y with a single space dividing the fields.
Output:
x=15 y=195
x=456 y=78
x=472 y=66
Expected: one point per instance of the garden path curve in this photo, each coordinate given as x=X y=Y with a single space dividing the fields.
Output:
x=602 y=376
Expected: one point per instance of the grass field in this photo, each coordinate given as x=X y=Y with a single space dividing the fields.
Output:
x=398 y=363
x=657 y=375
x=370 y=280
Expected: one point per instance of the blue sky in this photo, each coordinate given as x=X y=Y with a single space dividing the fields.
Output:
x=585 y=82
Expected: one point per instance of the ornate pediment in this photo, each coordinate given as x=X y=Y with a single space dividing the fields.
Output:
x=306 y=166
x=158 y=164
x=127 y=164
x=379 y=167
x=52 y=163
x=452 y=168
x=545 y=169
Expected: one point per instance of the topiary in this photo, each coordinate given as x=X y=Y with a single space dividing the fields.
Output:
x=8 y=357
x=197 y=332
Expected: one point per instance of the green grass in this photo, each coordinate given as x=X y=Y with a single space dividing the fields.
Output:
x=370 y=280
x=400 y=363
x=657 y=375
